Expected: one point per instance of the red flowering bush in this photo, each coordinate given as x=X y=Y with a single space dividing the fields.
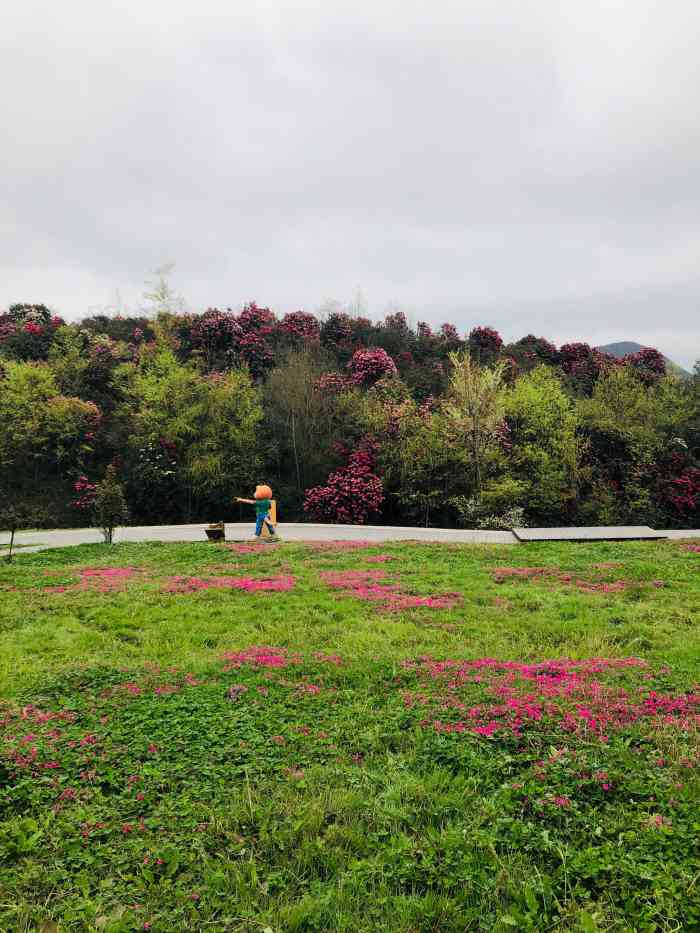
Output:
x=647 y=363
x=449 y=337
x=352 y=494
x=26 y=331
x=368 y=366
x=683 y=493
x=530 y=351
x=485 y=343
x=212 y=335
x=300 y=327
x=584 y=364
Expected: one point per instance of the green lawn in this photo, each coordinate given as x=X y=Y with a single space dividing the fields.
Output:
x=181 y=751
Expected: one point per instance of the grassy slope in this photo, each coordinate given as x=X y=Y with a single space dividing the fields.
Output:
x=302 y=810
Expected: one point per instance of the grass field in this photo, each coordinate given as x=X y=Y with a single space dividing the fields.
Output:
x=315 y=738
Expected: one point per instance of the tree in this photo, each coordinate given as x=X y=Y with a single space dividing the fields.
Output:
x=161 y=298
x=109 y=508
x=17 y=513
x=300 y=419
x=545 y=450
x=45 y=436
x=208 y=421
x=637 y=433
x=474 y=407
x=423 y=466
x=484 y=344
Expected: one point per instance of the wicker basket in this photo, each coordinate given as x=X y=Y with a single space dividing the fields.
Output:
x=216 y=532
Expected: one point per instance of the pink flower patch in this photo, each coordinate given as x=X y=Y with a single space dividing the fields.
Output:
x=277 y=584
x=260 y=656
x=102 y=579
x=568 y=694
x=370 y=585
x=501 y=574
x=321 y=546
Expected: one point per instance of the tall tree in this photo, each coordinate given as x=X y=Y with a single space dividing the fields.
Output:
x=475 y=406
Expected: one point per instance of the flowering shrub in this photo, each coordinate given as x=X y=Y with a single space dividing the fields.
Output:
x=352 y=494
x=213 y=334
x=648 y=363
x=301 y=327
x=683 y=493
x=105 y=500
x=584 y=365
x=485 y=343
x=26 y=331
x=369 y=366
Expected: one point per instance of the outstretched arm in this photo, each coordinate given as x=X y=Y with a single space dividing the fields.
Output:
x=248 y=501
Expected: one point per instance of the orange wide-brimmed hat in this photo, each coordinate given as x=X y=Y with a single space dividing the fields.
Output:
x=263 y=492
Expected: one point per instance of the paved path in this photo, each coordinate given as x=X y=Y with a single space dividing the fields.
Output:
x=38 y=540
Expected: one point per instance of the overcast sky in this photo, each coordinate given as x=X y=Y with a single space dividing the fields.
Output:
x=529 y=165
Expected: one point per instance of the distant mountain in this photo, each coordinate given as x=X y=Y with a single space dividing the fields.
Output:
x=629 y=346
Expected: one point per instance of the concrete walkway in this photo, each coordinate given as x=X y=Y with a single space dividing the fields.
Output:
x=376 y=534
x=303 y=531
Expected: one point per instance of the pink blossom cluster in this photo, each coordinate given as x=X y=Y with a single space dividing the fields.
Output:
x=485 y=341
x=86 y=492
x=352 y=494
x=368 y=366
x=585 y=364
x=683 y=493
x=648 y=363
x=301 y=326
